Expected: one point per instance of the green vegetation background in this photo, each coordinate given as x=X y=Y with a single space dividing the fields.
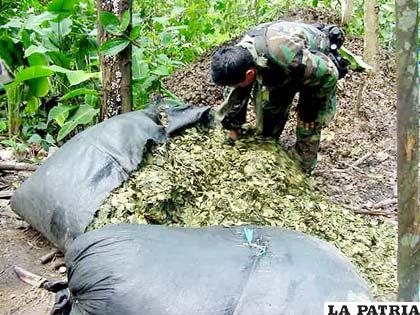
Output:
x=51 y=105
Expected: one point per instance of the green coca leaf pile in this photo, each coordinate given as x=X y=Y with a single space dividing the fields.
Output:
x=198 y=180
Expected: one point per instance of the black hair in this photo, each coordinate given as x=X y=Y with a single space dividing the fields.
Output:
x=229 y=65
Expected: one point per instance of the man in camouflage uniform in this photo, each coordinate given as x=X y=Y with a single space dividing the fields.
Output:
x=271 y=64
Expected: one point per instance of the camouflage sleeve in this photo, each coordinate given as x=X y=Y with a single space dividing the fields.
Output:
x=320 y=71
x=232 y=112
x=319 y=83
x=296 y=51
x=305 y=65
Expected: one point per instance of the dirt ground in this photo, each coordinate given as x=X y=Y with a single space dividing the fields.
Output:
x=357 y=163
x=22 y=246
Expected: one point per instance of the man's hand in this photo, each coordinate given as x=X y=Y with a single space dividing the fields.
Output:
x=233 y=134
x=306 y=125
x=232 y=137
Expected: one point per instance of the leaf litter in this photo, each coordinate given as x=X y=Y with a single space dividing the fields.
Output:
x=197 y=180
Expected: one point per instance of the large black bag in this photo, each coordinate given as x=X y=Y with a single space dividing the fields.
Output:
x=157 y=270
x=62 y=196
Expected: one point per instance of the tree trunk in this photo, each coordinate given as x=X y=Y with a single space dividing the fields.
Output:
x=371 y=33
x=346 y=8
x=408 y=149
x=116 y=94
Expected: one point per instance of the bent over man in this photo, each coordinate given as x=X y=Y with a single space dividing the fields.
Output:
x=271 y=64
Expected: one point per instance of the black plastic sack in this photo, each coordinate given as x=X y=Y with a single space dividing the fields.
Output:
x=62 y=196
x=157 y=270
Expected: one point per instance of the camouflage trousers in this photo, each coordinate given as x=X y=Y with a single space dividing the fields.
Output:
x=314 y=112
x=315 y=109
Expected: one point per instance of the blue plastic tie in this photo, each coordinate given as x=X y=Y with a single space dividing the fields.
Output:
x=249 y=234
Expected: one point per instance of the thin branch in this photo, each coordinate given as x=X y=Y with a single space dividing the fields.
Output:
x=17 y=166
x=371 y=212
x=50 y=256
x=5 y=194
x=361 y=160
x=384 y=203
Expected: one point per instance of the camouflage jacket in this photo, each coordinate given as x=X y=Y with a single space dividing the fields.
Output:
x=287 y=54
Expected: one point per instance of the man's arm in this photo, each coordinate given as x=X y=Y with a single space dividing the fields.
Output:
x=232 y=112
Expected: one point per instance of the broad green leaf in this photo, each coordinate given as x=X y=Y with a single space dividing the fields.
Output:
x=77 y=92
x=37 y=59
x=356 y=62
x=161 y=70
x=149 y=81
x=63 y=28
x=26 y=38
x=32 y=73
x=32 y=104
x=92 y=100
x=162 y=58
x=41 y=126
x=58 y=69
x=140 y=69
x=35 y=49
x=114 y=46
x=3 y=125
x=59 y=6
x=35 y=138
x=135 y=32
x=108 y=18
x=60 y=113
x=49 y=139
x=114 y=30
x=166 y=38
x=84 y=115
x=53 y=41
x=39 y=86
x=13 y=23
x=74 y=76
x=33 y=22
x=59 y=58
x=125 y=20
x=8 y=52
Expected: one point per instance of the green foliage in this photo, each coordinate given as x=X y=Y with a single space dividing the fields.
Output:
x=14 y=94
x=32 y=73
x=61 y=6
x=16 y=144
x=78 y=92
x=60 y=114
x=44 y=142
x=74 y=77
x=51 y=51
x=356 y=62
x=386 y=21
x=114 y=46
x=82 y=116
x=44 y=51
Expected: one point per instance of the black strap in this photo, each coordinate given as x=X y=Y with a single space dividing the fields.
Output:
x=62 y=305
